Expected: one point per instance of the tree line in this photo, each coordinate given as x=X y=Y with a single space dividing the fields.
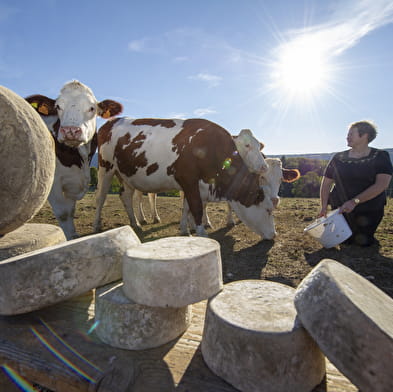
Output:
x=311 y=171
x=307 y=185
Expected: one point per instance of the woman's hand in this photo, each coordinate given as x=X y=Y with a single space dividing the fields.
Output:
x=347 y=207
x=322 y=212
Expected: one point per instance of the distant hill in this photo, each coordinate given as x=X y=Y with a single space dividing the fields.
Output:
x=323 y=156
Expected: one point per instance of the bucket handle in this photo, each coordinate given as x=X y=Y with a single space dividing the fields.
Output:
x=320 y=220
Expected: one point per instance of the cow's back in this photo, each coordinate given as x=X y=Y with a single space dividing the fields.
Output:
x=155 y=154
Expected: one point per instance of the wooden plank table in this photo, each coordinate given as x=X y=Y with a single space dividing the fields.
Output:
x=53 y=347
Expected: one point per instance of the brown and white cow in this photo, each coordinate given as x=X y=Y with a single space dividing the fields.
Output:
x=131 y=198
x=270 y=182
x=71 y=119
x=196 y=156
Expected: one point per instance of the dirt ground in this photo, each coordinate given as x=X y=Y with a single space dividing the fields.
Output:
x=286 y=259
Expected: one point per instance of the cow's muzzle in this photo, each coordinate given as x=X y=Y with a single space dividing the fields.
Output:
x=71 y=133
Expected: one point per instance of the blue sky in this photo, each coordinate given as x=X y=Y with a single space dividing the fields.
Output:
x=294 y=72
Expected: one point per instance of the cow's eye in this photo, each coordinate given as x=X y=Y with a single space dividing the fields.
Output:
x=91 y=109
x=57 y=107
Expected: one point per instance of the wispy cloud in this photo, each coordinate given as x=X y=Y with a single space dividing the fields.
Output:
x=201 y=112
x=180 y=59
x=348 y=23
x=138 y=45
x=210 y=79
x=181 y=116
x=191 y=44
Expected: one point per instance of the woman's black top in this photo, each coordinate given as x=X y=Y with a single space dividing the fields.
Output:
x=353 y=175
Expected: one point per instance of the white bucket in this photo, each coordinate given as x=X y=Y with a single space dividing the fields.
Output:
x=330 y=231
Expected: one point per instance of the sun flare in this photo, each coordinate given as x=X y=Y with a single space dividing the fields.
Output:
x=301 y=69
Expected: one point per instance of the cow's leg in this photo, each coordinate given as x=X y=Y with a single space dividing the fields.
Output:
x=230 y=221
x=205 y=218
x=195 y=203
x=187 y=222
x=103 y=186
x=64 y=210
x=184 y=217
x=153 y=207
x=139 y=214
x=126 y=197
x=204 y=192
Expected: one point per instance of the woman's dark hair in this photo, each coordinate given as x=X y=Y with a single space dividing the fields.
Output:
x=365 y=127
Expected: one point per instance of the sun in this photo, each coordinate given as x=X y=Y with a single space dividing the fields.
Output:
x=301 y=69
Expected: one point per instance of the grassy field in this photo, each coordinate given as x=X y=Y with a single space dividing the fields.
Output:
x=287 y=259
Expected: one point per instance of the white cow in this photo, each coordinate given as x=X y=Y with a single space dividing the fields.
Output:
x=71 y=119
x=195 y=155
x=270 y=182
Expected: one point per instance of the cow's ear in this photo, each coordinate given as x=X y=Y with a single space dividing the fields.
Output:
x=290 y=175
x=43 y=105
x=109 y=108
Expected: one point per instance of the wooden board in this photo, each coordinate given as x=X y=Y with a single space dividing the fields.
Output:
x=53 y=347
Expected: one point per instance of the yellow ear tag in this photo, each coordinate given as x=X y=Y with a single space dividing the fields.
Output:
x=43 y=109
x=107 y=114
x=34 y=104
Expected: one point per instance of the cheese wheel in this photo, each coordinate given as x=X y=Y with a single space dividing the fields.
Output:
x=27 y=161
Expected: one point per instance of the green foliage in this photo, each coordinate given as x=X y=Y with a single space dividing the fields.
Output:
x=307 y=185
x=93 y=178
x=173 y=193
x=115 y=185
x=305 y=165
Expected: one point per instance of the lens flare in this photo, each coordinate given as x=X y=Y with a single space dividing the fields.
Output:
x=18 y=380
x=93 y=327
x=70 y=348
x=60 y=356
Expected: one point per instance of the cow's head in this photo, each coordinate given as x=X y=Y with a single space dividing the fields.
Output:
x=251 y=202
x=249 y=149
x=274 y=176
x=258 y=217
x=76 y=109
